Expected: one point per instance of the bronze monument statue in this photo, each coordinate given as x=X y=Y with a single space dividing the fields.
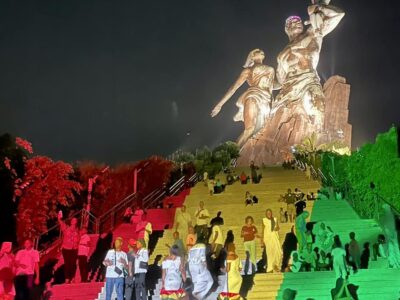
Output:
x=299 y=108
x=255 y=103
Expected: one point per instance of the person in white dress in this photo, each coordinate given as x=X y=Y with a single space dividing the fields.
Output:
x=182 y=221
x=339 y=258
x=198 y=270
x=270 y=228
x=173 y=275
x=389 y=228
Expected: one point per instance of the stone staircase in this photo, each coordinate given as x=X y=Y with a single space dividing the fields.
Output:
x=377 y=282
x=275 y=182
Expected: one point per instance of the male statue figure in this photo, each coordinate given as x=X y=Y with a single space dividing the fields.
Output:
x=301 y=90
x=255 y=103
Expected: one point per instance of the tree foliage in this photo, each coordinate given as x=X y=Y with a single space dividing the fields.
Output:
x=210 y=161
x=377 y=164
x=49 y=187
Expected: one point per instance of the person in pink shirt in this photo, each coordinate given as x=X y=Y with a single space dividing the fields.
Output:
x=83 y=254
x=7 y=260
x=69 y=248
x=27 y=266
x=144 y=229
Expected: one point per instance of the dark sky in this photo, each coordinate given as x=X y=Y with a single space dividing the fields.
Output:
x=120 y=80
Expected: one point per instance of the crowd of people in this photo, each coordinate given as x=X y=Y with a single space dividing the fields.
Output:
x=215 y=186
x=202 y=259
x=20 y=272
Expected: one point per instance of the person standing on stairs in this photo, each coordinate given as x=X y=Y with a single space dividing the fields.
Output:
x=217 y=220
x=190 y=239
x=233 y=282
x=7 y=267
x=83 y=254
x=144 y=229
x=182 y=221
x=354 y=251
x=198 y=269
x=202 y=215
x=271 y=242
x=216 y=240
x=141 y=266
x=301 y=229
x=289 y=200
x=116 y=262
x=173 y=275
x=130 y=279
x=289 y=245
x=69 y=248
x=339 y=259
x=27 y=266
x=248 y=272
x=249 y=233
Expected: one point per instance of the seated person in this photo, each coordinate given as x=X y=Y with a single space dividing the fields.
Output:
x=343 y=290
x=230 y=179
x=309 y=258
x=295 y=263
x=219 y=187
x=311 y=197
x=243 y=178
x=379 y=248
x=250 y=199
x=323 y=261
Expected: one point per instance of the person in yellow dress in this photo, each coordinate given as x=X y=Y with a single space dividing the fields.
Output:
x=233 y=280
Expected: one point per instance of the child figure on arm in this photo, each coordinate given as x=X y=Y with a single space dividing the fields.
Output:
x=316 y=16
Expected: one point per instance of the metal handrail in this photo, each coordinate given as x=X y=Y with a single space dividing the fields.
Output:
x=109 y=219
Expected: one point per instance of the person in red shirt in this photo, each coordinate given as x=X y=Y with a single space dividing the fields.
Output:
x=249 y=234
x=69 y=248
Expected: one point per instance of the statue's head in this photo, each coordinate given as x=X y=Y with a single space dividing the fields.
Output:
x=255 y=56
x=293 y=26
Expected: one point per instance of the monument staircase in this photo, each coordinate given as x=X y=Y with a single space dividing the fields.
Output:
x=274 y=183
x=112 y=220
x=377 y=282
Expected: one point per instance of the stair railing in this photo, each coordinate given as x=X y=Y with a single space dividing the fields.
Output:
x=108 y=220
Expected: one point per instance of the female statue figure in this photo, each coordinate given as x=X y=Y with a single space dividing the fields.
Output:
x=255 y=103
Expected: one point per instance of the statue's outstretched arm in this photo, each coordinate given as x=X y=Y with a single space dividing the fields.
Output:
x=239 y=82
x=329 y=15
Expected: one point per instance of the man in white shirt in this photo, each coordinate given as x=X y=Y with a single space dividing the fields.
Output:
x=83 y=254
x=27 y=266
x=141 y=266
x=116 y=261
x=202 y=215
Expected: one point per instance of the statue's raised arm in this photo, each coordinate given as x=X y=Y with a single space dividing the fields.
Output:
x=254 y=104
x=238 y=83
x=324 y=17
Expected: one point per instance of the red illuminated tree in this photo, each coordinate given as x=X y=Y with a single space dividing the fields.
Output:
x=49 y=186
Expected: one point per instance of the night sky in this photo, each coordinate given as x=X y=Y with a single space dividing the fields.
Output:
x=117 y=81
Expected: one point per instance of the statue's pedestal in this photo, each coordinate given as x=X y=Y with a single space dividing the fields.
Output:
x=291 y=125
